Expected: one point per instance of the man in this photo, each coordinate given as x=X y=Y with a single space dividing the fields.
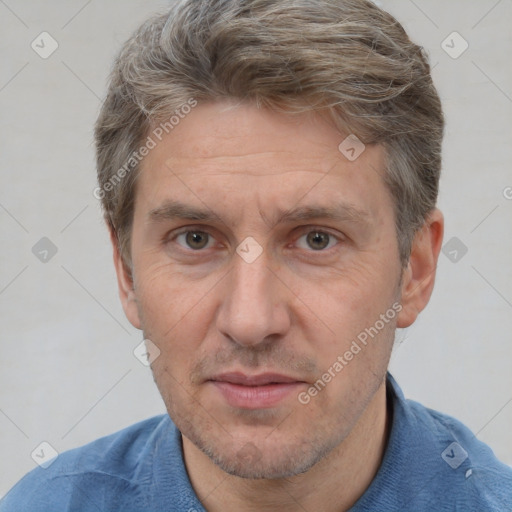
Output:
x=269 y=173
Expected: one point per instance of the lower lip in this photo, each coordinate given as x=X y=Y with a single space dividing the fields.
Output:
x=255 y=397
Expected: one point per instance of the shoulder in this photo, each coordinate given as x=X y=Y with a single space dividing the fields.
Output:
x=487 y=481
x=434 y=462
x=465 y=473
x=107 y=468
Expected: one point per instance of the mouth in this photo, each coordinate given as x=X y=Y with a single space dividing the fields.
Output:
x=254 y=391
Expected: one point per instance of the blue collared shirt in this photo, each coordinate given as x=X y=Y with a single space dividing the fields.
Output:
x=432 y=463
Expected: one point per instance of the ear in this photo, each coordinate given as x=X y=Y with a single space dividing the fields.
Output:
x=125 y=284
x=419 y=276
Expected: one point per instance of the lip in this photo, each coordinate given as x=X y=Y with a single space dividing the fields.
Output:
x=254 y=391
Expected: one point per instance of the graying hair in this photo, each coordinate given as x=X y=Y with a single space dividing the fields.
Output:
x=348 y=58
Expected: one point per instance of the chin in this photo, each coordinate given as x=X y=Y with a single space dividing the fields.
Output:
x=268 y=468
x=265 y=461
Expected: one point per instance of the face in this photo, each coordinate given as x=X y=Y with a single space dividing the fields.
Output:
x=261 y=258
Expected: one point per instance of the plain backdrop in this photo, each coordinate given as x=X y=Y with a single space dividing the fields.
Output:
x=67 y=370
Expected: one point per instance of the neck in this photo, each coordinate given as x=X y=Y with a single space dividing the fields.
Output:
x=334 y=484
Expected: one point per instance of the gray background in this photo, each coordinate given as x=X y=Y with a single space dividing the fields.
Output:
x=67 y=371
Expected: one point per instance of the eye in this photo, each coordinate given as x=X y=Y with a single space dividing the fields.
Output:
x=318 y=240
x=195 y=240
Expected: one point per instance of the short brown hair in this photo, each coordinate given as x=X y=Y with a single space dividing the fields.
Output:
x=344 y=57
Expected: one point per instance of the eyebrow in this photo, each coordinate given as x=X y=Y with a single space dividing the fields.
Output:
x=341 y=212
x=173 y=209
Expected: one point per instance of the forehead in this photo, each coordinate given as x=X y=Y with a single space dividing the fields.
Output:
x=221 y=129
x=231 y=155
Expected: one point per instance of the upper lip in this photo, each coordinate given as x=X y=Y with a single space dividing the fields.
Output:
x=253 y=380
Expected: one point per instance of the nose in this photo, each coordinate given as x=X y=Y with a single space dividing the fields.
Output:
x=253 y=311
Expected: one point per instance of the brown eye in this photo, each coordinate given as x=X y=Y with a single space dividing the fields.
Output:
x=195 y=239
x=318 y=240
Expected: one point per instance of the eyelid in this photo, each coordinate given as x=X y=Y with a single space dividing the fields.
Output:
x=186 y=229
x=320 y=229
x=304 y=230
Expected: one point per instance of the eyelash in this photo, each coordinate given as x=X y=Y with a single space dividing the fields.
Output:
x=305 y=231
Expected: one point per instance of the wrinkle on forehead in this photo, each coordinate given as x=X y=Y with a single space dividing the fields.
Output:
x=254 y=164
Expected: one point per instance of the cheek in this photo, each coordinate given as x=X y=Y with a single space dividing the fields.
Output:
x=351 y=369
x=345 y=320
x=164 y=295
x=351 y=296
x=174 y=314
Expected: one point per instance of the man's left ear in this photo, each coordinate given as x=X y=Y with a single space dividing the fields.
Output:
x=419 y=275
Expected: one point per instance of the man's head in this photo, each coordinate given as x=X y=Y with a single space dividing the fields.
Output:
x=267 y=252
x=347 y=57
